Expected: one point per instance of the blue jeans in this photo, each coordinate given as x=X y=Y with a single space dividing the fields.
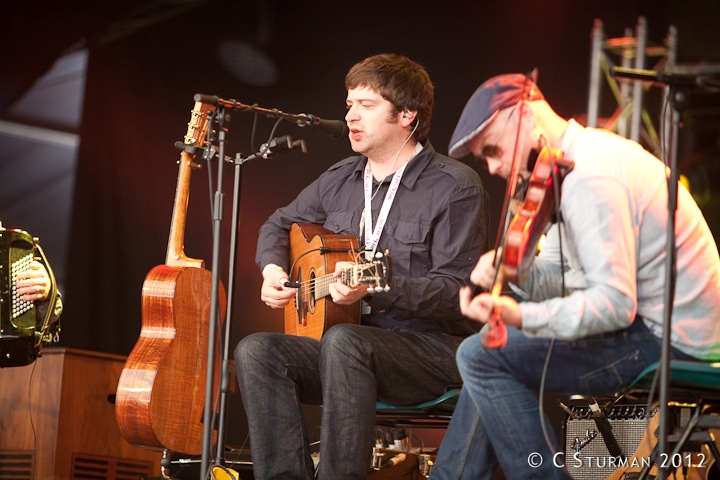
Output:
x=497 y=418
x=347 y=371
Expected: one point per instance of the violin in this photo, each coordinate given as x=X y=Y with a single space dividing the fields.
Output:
x=523 y=233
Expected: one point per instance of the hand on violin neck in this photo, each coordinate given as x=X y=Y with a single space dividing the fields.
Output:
x=483 y=307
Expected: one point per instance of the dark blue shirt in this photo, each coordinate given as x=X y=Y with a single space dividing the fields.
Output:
x=435 y=232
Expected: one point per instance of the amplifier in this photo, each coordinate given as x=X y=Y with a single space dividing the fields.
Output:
x=586 y=455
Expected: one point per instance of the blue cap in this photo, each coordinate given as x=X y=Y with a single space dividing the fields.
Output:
x=499 y=92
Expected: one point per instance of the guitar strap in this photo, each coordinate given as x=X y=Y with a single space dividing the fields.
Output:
x=372 y=237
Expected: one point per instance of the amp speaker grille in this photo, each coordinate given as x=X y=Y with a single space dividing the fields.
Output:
x=91 y=467
x=17 y=465
x=629 y=424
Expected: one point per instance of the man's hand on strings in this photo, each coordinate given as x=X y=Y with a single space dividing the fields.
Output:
x=273 y=291
x=33 y=284
x=344 y=294
x=483 y=306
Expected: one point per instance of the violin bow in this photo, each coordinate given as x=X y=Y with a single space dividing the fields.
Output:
x=495 y=336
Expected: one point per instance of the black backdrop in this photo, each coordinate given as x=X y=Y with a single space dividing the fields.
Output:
x=292 y=56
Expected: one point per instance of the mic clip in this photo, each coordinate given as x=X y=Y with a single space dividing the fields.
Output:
x=280 y=144
x=306 y=119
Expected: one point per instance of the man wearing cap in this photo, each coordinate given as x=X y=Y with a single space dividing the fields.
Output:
x=606 y=327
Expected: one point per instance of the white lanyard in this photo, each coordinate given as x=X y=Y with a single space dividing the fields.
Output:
x=373 y=237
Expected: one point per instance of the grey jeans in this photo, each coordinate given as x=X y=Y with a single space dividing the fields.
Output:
x=346 y=372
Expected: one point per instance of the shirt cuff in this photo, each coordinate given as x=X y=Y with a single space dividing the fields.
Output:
x=271 y=266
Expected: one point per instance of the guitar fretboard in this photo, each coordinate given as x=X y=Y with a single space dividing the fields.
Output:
x=321 y=286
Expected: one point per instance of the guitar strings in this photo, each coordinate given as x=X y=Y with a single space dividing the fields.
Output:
x=373 y=270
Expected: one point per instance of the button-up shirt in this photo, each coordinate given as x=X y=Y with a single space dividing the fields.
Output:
x=435 y=232
x=614 y=206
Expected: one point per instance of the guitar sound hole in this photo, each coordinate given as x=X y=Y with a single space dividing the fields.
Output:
x=311 y=293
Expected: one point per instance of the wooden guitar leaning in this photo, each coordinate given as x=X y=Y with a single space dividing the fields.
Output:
x=161 y=392
x=702 y=467
x=637 y=461
x=314 y=251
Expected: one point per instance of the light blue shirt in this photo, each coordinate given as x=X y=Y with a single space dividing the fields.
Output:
x=614 y=205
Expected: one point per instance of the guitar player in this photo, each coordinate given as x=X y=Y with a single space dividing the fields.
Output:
x=397 y=194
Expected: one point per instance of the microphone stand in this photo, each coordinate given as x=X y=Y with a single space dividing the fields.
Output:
x=232 y=262
x=225 y=361
x=300 y=119
x=217 y=213
x=678 y=96
x=214 y=303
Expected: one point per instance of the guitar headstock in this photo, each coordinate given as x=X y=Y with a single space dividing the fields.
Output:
x=376 y=272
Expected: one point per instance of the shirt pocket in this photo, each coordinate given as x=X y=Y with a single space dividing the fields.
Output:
x=409 y=246
x=339 y=222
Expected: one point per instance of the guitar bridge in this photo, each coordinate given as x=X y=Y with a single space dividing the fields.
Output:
x=299 y=303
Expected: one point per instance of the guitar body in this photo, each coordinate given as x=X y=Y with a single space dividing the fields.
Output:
x=701 y=465
x=161 y=392
x=312 y=317
x=642 y=453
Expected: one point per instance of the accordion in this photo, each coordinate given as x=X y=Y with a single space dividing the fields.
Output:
x=21 y=334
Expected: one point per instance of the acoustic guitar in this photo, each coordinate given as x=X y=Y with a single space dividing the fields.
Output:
x=642 y=455
x=314 y=251
x=161 y=392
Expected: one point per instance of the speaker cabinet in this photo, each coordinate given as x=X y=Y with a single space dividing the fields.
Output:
x=57 y=420
x=586 y=455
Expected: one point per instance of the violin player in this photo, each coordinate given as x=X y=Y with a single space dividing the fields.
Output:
x=595 y=292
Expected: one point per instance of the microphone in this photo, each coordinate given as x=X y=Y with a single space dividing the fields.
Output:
x=284 y=143
x=334 y=128
x=662 y=78
x=605 y=428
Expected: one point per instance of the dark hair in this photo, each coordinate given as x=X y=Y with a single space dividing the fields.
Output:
x=399 y=80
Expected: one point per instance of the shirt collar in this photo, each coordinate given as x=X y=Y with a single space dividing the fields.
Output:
x=418 y=162
x=570 y=137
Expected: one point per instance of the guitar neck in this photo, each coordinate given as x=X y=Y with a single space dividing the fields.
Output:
x=176 y=244
x=197 y=129
x=321 y=285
